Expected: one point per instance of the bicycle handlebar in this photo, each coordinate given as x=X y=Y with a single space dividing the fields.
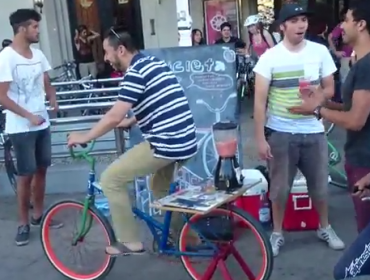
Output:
x=84 y=154
x=214 y=110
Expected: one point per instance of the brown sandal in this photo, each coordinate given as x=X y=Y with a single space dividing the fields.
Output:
x=121 y=250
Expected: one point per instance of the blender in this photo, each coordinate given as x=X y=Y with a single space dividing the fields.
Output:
x=228 y=176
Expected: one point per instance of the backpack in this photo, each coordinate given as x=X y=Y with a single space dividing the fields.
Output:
x=272 y=36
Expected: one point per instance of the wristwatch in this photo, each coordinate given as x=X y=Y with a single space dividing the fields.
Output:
x=317 y=113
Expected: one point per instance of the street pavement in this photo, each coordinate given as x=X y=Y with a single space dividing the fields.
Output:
x=304 y=257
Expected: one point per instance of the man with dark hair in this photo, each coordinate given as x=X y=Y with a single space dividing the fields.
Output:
x=354 y=114
x=162 y=112
x=226 y=36
x=24 y=82
x=286 y=140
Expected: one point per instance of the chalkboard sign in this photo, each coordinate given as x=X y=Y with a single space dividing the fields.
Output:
x=208 y=76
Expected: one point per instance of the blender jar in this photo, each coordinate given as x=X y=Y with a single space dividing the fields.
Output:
x=225 y=137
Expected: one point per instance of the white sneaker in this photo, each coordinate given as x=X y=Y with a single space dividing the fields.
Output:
x=329 y=236
x=276 y=240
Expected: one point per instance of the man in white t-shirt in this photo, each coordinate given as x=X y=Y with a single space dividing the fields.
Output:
x=289 y=141
x=24 y=83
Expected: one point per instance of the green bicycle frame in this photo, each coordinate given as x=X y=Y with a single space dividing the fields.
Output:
x=86 y=220
x=334 y=159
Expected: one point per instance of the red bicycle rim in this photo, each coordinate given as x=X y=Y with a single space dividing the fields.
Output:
x=187 y=260
x=51 y=254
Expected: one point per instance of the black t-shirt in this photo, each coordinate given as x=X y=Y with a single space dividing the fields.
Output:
x=357 y=147
x=239 y=44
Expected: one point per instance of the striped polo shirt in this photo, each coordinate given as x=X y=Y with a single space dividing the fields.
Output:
x=283 y=69
x=160 y=107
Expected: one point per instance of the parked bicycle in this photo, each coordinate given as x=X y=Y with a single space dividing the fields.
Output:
x=337 y=174
x=245 y=76
x=215 y=230
x=9 y=165
x=67 y=75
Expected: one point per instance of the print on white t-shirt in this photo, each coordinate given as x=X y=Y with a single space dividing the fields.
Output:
x=26 y=88
x=316 y=63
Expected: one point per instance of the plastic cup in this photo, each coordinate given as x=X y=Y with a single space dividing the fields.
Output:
x=304 y=86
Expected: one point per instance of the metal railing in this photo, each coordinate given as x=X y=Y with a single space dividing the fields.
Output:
x=111 y=143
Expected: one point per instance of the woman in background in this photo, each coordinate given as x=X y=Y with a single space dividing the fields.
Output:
x=342 y=51
x=260 y=39
x=84 y=39
x=197 y=37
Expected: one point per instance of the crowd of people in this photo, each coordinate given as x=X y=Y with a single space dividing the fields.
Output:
x=288 y=128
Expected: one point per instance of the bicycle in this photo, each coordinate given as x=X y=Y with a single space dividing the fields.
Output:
x=209 y=154
x=10 y=169
x=245 y=76
x=338 y=177
x=217 y=248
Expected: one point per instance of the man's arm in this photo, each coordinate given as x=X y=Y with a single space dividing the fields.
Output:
x=327 y=70
x=49 y=89
x=132 y=87
x=9 y=104
x=333 y=105
x=261 y=88
x=260 y=100
x=356 y=117
x=127 y=122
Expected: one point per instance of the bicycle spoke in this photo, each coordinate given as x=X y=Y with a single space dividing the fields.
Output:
x=211 y=270
x=224 y=271
x=242 y=263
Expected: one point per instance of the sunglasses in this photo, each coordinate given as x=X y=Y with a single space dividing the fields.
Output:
x=115 y=34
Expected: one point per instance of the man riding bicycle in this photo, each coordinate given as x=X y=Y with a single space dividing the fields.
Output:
x=162 y=112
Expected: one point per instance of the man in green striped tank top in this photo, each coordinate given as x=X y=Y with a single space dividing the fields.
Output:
x=290 y=141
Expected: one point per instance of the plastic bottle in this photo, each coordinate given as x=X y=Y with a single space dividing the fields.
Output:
x=101 y=202
x=264 y=212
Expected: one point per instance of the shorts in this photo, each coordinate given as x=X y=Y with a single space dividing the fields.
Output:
x=32 y=150
x=306 y=152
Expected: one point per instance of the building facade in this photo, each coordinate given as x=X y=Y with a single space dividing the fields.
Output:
x=153 y=22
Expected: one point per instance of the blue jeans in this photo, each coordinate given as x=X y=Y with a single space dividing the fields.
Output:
x=355 y=261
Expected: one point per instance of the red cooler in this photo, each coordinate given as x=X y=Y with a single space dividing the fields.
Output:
x=250 y=201
x=300 y=214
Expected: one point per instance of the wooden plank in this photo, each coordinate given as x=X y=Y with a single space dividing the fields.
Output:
x=239 y=193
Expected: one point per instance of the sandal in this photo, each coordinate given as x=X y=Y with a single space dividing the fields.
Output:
x=121 y=250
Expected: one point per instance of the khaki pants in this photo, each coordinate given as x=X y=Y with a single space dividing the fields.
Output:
x=139 y=161
x=88 y=68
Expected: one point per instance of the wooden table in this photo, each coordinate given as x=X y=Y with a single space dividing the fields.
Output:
x=231 y=197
